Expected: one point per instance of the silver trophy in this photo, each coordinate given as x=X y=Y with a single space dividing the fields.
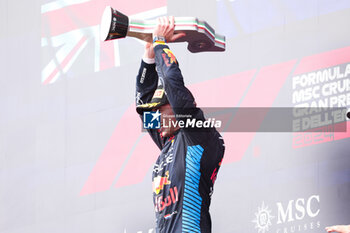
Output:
x=199 y=34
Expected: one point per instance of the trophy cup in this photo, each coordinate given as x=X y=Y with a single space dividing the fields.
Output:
x=199 y=34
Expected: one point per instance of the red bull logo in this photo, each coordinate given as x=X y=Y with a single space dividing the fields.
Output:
x=171 y=57
x=159 y=182
x=161 y=202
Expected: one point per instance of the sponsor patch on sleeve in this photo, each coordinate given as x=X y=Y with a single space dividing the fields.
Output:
x=170 y=58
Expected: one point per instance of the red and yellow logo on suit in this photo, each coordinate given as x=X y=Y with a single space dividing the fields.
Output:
x=159 y=182
x=170 y=59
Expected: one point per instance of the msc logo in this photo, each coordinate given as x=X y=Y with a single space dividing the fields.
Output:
x=263 y=218
x=293 y=216
x=151 y=120
x=298 y=209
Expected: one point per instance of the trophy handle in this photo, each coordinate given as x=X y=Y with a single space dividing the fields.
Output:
x=199 y=34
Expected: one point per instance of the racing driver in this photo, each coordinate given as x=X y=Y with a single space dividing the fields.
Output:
x=186 y=169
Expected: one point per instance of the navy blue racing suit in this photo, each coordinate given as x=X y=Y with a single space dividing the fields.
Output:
x=186 y=169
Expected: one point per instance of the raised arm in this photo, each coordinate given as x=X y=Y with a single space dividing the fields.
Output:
x=147 y=77
x=180 y=98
